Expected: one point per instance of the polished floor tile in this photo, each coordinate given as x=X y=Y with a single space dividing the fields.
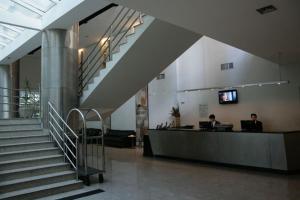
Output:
x=130 y=176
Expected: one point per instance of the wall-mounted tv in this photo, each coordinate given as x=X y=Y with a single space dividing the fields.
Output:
x=228 y=97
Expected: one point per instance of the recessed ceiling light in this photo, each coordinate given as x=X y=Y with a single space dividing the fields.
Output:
x=266 y=9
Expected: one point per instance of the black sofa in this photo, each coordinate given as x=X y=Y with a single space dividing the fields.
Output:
x=119 y=138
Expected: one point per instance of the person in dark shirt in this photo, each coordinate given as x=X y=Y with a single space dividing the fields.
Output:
x=213 y=122
x=256 y=125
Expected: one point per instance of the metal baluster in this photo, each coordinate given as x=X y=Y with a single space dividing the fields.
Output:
x=85 y=148
x=103 y=148
x=141 y=18
x=77 y=164
x=64 y=142
x=109 y=44
x=92 y=152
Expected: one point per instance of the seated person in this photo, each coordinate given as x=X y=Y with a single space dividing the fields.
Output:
x=256 y=126
x=213 y=122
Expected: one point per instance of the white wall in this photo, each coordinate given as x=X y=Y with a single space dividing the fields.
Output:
x=124 y=118
x=162 y=97
x=278 y=107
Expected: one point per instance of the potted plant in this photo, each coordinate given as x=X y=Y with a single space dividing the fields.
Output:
x=26 y=105
x=176 y=114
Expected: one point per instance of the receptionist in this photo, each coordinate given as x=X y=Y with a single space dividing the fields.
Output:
x=256 y=125
x=213 y=122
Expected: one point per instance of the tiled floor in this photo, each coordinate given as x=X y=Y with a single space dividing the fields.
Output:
x=131 y=176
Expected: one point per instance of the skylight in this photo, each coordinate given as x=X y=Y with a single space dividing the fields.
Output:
x=30 y=8
x=16 y=16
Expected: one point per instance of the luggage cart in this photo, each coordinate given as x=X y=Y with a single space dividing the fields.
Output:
x=91 y=150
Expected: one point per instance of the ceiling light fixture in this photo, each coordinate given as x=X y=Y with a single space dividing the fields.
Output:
x=260 y=84
x=266 y=9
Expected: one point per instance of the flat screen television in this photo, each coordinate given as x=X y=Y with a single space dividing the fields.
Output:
x=228 y=97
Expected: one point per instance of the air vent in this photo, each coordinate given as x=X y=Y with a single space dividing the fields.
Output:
x=266 y=9
x=226 y=66
x=160 y=76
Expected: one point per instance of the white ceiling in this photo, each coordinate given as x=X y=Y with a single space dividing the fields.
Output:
x=235 y=22
x=274 y=36
x=90 y=32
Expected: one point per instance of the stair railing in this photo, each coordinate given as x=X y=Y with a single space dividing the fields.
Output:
x=64 y=137
x=103 y=49
x=19 y=103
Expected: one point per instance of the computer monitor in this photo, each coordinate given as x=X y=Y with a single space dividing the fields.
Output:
x=204 y=125
x=224 y=127
x=246 y=125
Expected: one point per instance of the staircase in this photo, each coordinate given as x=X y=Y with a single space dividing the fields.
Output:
x=31 y=166
x=145 y=46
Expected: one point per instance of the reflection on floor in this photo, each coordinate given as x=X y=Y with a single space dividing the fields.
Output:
x=130 y=176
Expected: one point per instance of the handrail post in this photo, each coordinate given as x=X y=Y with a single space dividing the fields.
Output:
x=103 y=148
x=85 y=149
x=141 y=18
x=40 y=101
x=64 y=141
x=48 y=121
x=77 y=164
x=109 y=44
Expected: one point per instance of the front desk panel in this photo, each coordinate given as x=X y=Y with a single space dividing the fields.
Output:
x=264 y=150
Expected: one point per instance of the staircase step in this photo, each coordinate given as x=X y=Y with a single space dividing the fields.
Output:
x=18 y=127
x=11 y=133
x=19 y=121
x=31 y=162
x=23 y=139
x=34 y=181
x=7 y=175
x=26 y=146
x=42 y=191
x=14 y=155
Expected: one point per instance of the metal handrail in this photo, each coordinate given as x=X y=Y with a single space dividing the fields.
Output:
x=110 y=30
x=60 y=118
x=36 y=89
x=84 y=136
x=107 y=30
x=94 y=72
x=13 y=102
x=110 y=41
x=61 y=136
x=95 y=59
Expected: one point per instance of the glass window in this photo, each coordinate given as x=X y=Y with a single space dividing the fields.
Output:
x=8 y=31
x=42 y=5
x=4 y=40
x=15 y=8
x=30 y=8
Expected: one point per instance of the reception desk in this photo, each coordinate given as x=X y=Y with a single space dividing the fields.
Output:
x=278 y=151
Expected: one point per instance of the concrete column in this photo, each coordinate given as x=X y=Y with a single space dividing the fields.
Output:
x=15 y=85
x=5 y=94
x=59 y=70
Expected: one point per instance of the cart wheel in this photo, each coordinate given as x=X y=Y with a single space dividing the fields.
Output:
x=86 y=180
x=101 y=179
